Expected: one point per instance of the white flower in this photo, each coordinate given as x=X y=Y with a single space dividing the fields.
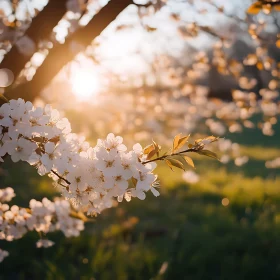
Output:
x=145 y=180
x=138 y=193
x=239 y=161
x=128 y=163
x=118 y=181
x=49 y=156
x=6 y=194
x=155 y=192
x=5 y=119
x=114 y=142
x=138 y=150
x=3 y=255
x=108 y=162
x=44 y=243
x=19 y=149
x=64 y=126
x=77 y=179
x=35 y=160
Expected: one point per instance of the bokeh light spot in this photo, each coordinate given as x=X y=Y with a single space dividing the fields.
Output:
x=6 y=77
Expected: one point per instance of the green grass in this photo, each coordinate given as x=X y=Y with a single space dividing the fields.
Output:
x=187 y=228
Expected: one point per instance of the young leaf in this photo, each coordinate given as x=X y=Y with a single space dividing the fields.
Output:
x=148 y=149
x=176 y=141
x=189 y=161
x=208 y=154
x=206 y=140
x=182 y=142
x=151 y=154
x=157 y=147
x=169 y=164
x=176 y=163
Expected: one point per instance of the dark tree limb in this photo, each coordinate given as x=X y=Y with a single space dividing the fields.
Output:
x=40 y=28
x=60 y=55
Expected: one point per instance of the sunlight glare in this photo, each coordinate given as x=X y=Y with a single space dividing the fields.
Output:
x=85 y=83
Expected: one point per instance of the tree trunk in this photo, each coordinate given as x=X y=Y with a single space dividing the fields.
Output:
x=40 y=28
x=60 y=55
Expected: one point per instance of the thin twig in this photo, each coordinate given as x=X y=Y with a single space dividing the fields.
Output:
x=61 y=178
x=175 y=154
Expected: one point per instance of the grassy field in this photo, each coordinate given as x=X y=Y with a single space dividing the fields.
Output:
x=186 y=233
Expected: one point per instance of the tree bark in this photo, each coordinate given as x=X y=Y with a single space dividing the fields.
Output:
x=40 y=28
x=60 y=55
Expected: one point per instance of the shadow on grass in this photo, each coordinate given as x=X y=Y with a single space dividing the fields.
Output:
x=186 y=228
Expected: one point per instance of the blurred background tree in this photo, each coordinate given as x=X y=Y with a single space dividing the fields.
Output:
x=151 y=70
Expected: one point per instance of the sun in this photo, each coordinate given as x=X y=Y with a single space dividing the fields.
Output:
x=85 y=83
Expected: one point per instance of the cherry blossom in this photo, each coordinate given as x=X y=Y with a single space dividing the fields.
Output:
x=42 y=216
x=90 y=177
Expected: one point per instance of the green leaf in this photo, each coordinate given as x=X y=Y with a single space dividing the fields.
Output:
x=208 y=154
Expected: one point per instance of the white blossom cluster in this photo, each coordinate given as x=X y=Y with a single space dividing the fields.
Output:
x=43 y=217
x=274 y=163
x=6 y=194
x=88 y=176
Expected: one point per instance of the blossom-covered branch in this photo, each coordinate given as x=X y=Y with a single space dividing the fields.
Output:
x=88 y=176
x=42 y=216
x=93 y=175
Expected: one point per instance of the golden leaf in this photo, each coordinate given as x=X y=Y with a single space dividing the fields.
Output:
x=208 y=154
x=182 y=142
x=148 y=149
x=176 y=141
x=175 y=163
x=189 y=161
x=278 y=43
x=151 y=154
x=169 y=164
x=211 y=138
x=157 y=146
